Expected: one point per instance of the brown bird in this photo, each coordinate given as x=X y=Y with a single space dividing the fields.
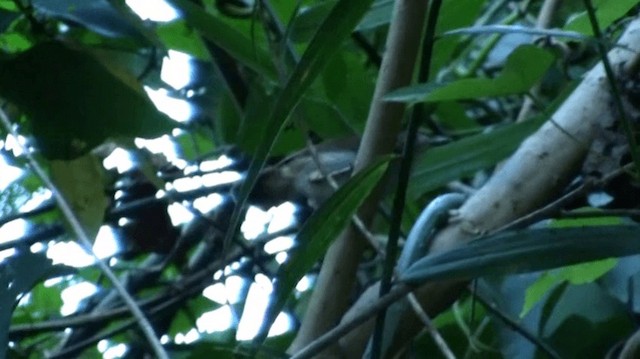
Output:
x=301 y=176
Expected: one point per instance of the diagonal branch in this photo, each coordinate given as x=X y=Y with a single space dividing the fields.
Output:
x=518 y=188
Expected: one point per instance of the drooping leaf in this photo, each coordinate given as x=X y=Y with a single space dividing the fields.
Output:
x=527 y=251
x=318 y=233
x=74 y=102
x=81 y=182
x=524 y=67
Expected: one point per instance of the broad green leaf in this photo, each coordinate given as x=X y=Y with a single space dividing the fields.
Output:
x=527 y=250
x=526 y=65
x=349 y=86
x=318 y=233
x=81 y=182
x=607 y=12
x=336 y=27
x=228 y=38
x=177 y=35
x=440 y=165
x=575 y=274
x=73 y=102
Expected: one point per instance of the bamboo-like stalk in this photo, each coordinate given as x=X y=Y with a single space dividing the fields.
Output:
x=539 y=169
x=331 y=294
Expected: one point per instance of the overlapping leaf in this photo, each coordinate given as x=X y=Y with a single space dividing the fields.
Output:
x=527 y=250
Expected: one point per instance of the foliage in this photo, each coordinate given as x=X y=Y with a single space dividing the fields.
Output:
x=283 y=89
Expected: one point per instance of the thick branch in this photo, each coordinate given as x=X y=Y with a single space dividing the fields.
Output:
x=539 y=169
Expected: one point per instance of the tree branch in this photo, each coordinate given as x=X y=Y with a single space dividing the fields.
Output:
x=518 y=188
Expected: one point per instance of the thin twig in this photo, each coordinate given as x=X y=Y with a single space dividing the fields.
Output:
x=143 y=323
x=555 y=206
x=431 y=329
x=515 y=326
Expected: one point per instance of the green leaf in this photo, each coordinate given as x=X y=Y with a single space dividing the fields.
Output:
x=336 y=27
x=177 y=35
x=81 y=182
x=14 y=41
x=317 y=234
x=526 y=65
x=73 y=102
x=438 y=166
x=308 y=20
x=228 y=38
x=8 y=5
x=607 y=12
x=575 y=274
x=349 y=86
x=527 y=251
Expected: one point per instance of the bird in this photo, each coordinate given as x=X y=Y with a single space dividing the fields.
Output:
x=301 y=178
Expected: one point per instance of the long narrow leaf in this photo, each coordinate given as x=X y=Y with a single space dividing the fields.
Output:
x=527 y=251
x=440 y=165
x=319 y=232
x=336 y=27
x=512 y=80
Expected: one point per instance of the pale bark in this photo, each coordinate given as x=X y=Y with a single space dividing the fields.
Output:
x=532 y=177
x=335 y=282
